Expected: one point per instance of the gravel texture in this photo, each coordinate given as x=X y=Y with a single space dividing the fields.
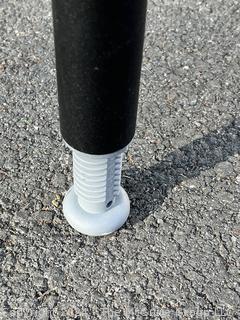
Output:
x=178 y=255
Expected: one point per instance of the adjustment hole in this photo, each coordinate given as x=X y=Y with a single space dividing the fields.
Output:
x=109 y=204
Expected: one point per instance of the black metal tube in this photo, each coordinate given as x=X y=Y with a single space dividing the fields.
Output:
x=98 y=57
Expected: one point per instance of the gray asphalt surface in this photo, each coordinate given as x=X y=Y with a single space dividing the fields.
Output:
x=178 y=255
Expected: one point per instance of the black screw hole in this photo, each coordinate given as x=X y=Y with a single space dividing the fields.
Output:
x=109 y=204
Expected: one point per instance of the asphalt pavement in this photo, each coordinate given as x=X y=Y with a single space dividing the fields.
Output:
x=177 y=257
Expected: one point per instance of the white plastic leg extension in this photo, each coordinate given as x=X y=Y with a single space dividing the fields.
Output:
x=96 y=204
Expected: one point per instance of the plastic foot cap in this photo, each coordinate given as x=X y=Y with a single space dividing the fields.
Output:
x=98 y=224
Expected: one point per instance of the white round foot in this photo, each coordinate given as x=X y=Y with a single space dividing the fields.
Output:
x=96 y=224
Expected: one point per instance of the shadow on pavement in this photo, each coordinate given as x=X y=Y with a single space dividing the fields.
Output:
x=147 y=188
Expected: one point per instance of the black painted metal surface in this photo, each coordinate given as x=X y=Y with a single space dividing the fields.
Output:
x=98 y=57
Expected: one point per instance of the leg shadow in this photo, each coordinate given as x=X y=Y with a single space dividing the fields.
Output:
x=149 y=187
